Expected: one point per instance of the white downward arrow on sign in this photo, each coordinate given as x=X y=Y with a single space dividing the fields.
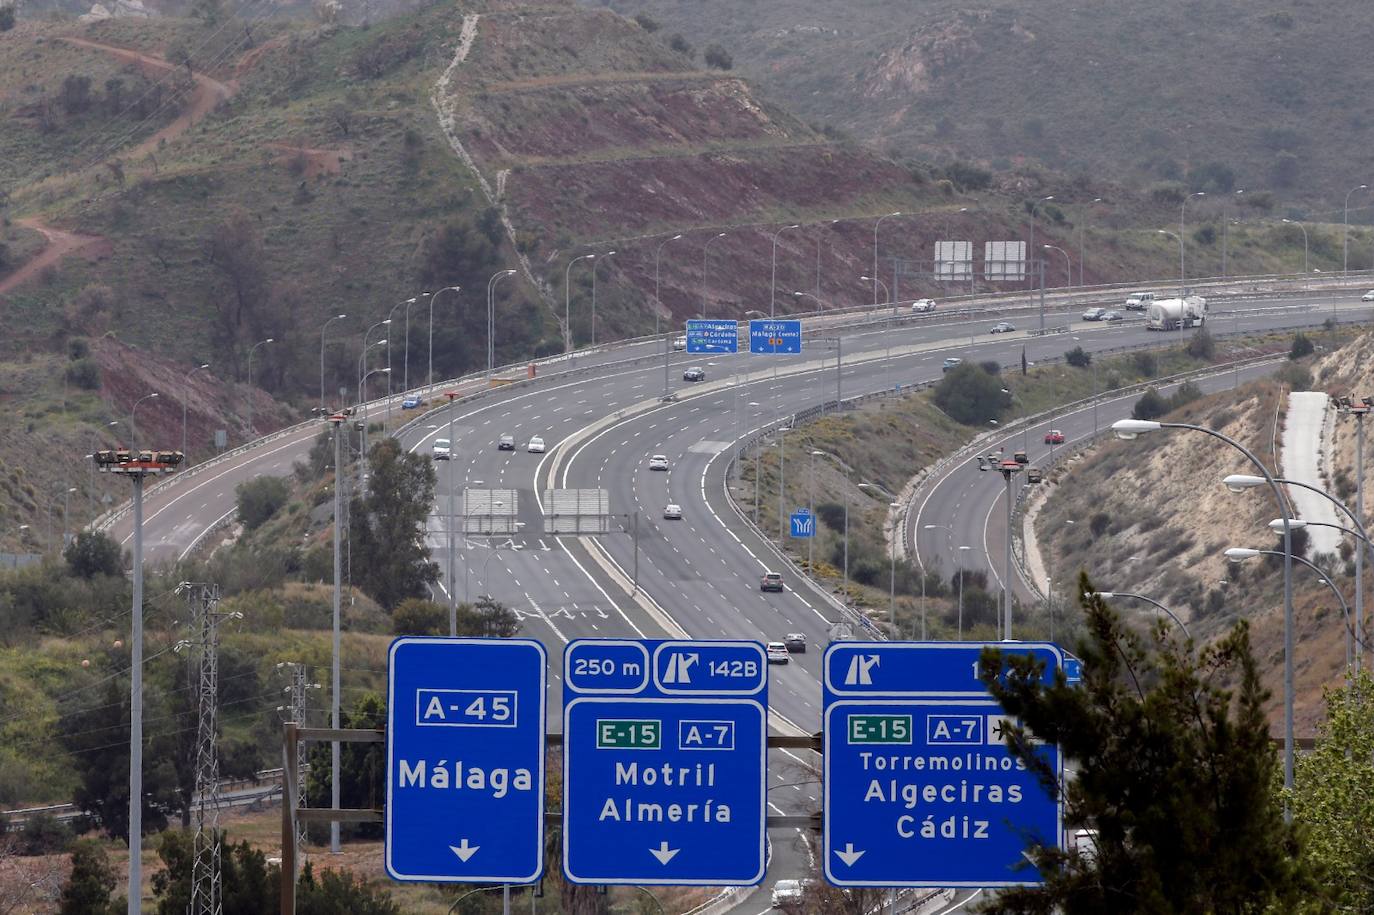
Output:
x=664 y=854
x=849 y=855
x=463 y=850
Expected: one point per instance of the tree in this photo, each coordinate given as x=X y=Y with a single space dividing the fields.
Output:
x=235 y=249
x=249 y=885
x=1333 y=796
x=488 y=618
x=1302 y=346
x=1202 y=346
x=362 y=766
x=1078 y=357
x=340 y=891
x=6 y=17
x=93 y=553
x=970 y=395
x=76 y=93
x=647 y=22
x=417 y=616
x=87 y=891
x=681 y=45
x=387 y=526
x=260 y=499
x=1150 y=405
x=1174 y=775
x=716 y=56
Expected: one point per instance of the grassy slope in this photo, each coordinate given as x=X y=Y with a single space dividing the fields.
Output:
x=1117 y=88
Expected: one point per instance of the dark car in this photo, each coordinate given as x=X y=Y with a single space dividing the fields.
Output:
x=771 y=581
x=505 y=443
x=694 y=374
x=796 y=642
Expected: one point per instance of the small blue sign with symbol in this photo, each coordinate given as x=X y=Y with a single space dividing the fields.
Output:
x=1073 y=670
x=465 y=760
x=712 y=336
x=920 y=787
x=664 y=783
x=775 y=337
x=803 y=524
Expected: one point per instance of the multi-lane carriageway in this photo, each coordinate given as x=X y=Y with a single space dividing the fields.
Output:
x=698 y=576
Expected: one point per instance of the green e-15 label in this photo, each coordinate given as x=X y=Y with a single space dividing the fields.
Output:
x=880 y=729
x=630 y=734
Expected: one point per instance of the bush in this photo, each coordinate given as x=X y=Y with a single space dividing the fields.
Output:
x=1078 y=357
x=681 y=45
x=991 y=366
x=78 y=348
x=716 y=56
x=87 y=891
x=260 y=499
x=968 y=176
x=386 y=52
x=84 y=374
x=1301 y=347
x=1205 y=235
x=1202 y=346
x=647 y=22
x=831 y=515
x=970 y=395
x=1296 y=377
x=1170 y=192
x=1150 y=406
x=93 y=553
x=1146 y=364
x=417 y=616
x=6 y=17
x=1099 y=523
x=43 y=834
x=1186 y=394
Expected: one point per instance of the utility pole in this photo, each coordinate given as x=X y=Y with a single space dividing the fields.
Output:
x=452 y=524
x=1008 y=467
x=337 y=420
x=206 y=890
x=295 y=711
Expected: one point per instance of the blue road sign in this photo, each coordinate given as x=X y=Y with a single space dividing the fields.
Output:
x=1073 y=670
x=920 y=788
x=465 y=760
x=664 y=762
x=712 y=336
x=775 y=337
x=803 y=524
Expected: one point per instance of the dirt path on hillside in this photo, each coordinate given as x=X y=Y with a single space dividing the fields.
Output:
x=209 y=93
x=60 y=244
x=602 y=79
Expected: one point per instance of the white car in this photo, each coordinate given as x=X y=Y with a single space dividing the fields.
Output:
x=658 y=462
x=920 y=306
x=788 y=894
x=1002 y=327
x=536 y=445
x=1368 y=296
x=672 y=512
x=442 y=452
x=679 y=343
x=777 y=653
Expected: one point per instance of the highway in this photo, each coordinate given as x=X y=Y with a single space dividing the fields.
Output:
x=698 y=576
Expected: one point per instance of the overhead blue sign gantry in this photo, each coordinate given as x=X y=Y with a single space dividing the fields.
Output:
x=771 y=336
x=664 y=762
x=465 y=760
x=712 y=336
x=920 y=788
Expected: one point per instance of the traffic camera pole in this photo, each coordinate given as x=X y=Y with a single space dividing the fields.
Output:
x=136 y=714
x=1006 y=567
x=337 y=419
x=452 y=529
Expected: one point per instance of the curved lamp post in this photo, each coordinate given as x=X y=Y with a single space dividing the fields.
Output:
x=1108 y=595
x=875 y=252
x=704 y=249
x=773 y=283
x=491 y=318
x=1345 y=231
x=596 y=266
x=185 y=395
x=429 y=375
x=1240 y=554
x=567 y=301
x=1128 y=429
x=658 y=300
x=323 y=332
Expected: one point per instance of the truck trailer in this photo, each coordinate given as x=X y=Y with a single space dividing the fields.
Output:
x=1165 y=314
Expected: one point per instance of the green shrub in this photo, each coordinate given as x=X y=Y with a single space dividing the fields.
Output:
x=260 y=499
x=1150 y=406
x=716 y=56
x=1146 y=363
x=6 y=17
x=1202 y=346
x=1078 y=357
x=84 y=374
x=1099 y=523
x=93 y=553
x=417 y=616
x=647 y=22
x=970 y=395
x=1186 y=394
x=1301 y=347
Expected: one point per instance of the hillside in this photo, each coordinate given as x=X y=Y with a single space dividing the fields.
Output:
x=1274 y=92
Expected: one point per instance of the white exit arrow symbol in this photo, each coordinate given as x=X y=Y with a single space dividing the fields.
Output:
x=464 y=851
x=849 y=855
x=664 y=854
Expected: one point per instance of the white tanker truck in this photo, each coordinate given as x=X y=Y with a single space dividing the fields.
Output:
x=1165 y=314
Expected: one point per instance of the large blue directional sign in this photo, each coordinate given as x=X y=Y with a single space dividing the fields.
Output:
x=664 y=762
x=803 y=524
x=774 y=337
x=465 y=760
x=920 y=788
x=712 y=336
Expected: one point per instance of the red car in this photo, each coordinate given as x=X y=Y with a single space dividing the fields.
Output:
x=1054 y=437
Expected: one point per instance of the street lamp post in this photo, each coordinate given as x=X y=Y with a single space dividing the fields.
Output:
x=567 y=302
x=1240 y=554
x=848 y=471
x=1305 y=269
x=1068 y=265
x=491 y=318
x=405 y=372
x=960 y=570
x=1082 y=246
x=1182 y=272
x=704 y=249
x=809 y=296
x=323 y=332
x=405 y=361
x=251 y=350
x=875 y=252
x=185 y=396
x=1108 y=595
x=362 y=387
x=773 y=283
x=1034 y=206
x=429 y=375
x=1226 y=227
x=1130 y=429
x=1180 y=275
x=658 y=301
x=820 y=236
x=1345 y=231
x=894 y=534
x=133 y=419
x=595 y=267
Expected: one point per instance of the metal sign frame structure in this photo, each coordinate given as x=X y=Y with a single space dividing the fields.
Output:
x=908 y=725
x=508 y=677
x=632 y=703
x=775 y=336
x=712 y=335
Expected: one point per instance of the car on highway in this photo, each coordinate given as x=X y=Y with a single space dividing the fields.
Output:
x=412 y=403
x=1368 y=296
x=695 y=373
x=1113 y=316
x=951 y=362
x=921 y=306
x=777 y=653
x=1139 y=301
x=789 y=895
x=658 y=462
x=1094 y=314
x=771 y=581
x=679 y=343
x=796 y=642
x=1054 y=437
x=505 y=443
x=1002 y=327
x=442 y=452
x=536 y=445
x=672 y=512
x=1033 y=475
